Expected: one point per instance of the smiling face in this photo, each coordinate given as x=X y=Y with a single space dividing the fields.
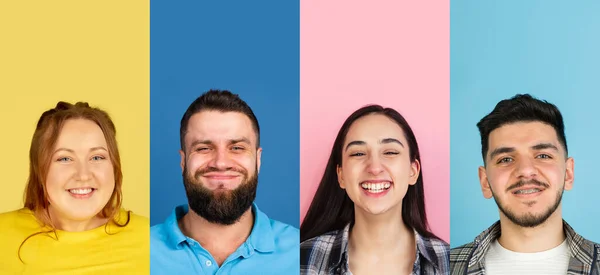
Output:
x=80 y=179
x=376 y=169
x=526 y=172
x=220 y=165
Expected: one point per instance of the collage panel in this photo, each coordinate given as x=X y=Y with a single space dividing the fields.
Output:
x=74 y=108
x=523 y=121
x=374 y=94
x=224 y=137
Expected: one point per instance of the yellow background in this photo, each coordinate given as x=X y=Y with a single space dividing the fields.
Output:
x=94 y=51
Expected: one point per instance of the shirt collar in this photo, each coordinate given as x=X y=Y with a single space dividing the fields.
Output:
x=261 y=238
x=581 y=249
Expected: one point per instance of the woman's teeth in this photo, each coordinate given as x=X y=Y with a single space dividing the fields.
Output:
x=376 y=187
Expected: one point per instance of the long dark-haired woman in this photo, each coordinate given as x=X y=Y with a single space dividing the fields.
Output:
x=368 y=214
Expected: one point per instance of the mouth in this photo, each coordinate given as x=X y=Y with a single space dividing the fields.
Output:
x=528 y=191
x=82 y=193
x=218 y=176
x=376 y=187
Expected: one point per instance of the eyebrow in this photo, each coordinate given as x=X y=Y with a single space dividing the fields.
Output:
x=210 y=142
x=383 y=141
x=543 y=146
x=72 y=151
x=391 y=140
x=537 y=147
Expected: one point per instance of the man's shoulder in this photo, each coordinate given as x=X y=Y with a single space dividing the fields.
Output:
x=459 y=257
x=461 y=253
x=158 y=231
x=284 y=232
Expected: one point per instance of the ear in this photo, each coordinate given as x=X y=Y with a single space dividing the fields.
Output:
x=182 y=162
x=415 y=169
x=485 y=183
x=258 y=155
x=569 y=173
x=340 y=177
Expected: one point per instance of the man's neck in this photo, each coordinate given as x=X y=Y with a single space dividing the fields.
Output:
x=220 y=240
x=545 y=236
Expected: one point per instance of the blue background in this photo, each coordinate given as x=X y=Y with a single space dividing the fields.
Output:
x=550 y=49
x=248 y=47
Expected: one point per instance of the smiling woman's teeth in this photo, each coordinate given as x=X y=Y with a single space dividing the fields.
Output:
x=82 y=191
x=375 y=187
x=527 y=191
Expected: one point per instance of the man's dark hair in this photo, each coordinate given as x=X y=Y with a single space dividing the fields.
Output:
x=217 y=100
x=521 y=108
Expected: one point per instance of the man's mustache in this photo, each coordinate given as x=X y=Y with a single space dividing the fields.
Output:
x=522 y=183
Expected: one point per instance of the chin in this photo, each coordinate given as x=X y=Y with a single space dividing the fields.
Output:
x=376 y=210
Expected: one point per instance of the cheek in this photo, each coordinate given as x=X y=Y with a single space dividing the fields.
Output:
x=398 y=168
x=248 y=161
x=499 y=178
x=105 y=174
x=58 y=176
x=351 y=171
x=195 y=161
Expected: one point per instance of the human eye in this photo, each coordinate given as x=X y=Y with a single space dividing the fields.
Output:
x=237 y=148
x=63 y=159
x=201 y=149
x=391 y=153
x=544 y=156
x=97 y=158
x=357 y=154
x=504 y=160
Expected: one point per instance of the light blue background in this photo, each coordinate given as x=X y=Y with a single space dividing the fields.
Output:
x=248 y=47
x=550 y=49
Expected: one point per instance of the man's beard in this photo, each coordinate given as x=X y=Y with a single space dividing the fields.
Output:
x=529 y=219
x=225 y=207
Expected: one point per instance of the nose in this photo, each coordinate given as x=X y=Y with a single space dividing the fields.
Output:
x=220 y=160
x=374 y=165
x=526 y=168
x=83 y=171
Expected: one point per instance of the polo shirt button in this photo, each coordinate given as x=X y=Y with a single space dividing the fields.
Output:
x=208 y=263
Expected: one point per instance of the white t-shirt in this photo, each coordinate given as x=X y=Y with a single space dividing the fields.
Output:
x=499 y=260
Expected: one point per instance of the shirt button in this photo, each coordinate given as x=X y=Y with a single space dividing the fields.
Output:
x=208 y=263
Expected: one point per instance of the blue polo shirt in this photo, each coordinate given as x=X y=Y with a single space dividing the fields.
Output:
x=272 y=248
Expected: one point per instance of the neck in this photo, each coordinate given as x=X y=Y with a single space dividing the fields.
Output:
x=207 y=233
x=543 y=237
x=70 y=225
x=380 y=233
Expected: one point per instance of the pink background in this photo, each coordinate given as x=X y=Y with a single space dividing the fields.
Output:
x=392 y=53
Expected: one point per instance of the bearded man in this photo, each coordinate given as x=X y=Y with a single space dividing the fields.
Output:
x=221 y=230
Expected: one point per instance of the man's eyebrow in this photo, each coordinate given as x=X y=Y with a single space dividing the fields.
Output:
x=543 y=146
x=501 y=150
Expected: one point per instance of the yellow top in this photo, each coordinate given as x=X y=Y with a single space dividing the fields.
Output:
x=123 y=250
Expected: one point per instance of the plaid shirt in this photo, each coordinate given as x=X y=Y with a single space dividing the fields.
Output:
x=470 y=258
x=328 y=254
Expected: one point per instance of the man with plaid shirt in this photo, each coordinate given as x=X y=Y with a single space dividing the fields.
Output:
x=526 y=170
